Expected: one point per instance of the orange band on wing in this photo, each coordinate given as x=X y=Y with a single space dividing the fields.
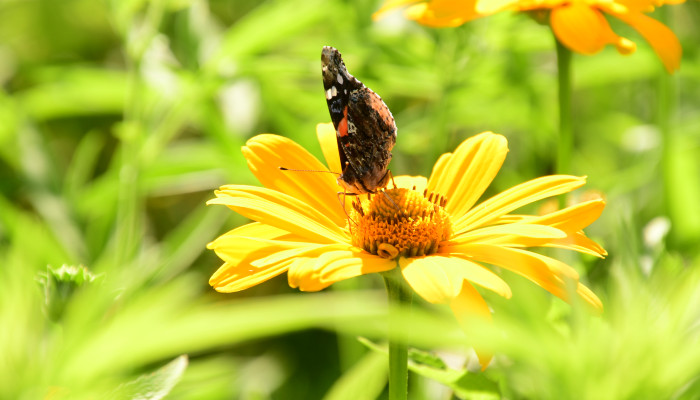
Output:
x=343 y=125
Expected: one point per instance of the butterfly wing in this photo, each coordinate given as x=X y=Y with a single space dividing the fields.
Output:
x=365 y=128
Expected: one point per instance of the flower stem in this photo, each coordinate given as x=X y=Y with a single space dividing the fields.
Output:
x=566 y=134
x=399 y=298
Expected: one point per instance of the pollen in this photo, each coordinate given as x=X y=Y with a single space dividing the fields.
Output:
x=400 y=222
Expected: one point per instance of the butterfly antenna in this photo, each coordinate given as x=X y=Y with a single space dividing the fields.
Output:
x=308 y=170
x=396 y=206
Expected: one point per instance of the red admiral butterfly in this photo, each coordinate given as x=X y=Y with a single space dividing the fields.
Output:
x=364 y=127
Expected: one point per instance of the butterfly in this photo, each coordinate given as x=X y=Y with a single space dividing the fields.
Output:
x=365 y=128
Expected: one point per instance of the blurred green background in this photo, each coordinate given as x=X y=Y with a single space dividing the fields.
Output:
x=119 y=118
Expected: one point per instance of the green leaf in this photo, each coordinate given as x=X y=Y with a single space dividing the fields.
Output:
x=268 y=25
x=155 y=385
x=74 y=91
x=365 y=380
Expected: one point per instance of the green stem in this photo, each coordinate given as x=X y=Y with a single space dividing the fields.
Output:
x=399 y=300
x=566 y=134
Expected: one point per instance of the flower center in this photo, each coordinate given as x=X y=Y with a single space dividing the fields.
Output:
x=400 y=222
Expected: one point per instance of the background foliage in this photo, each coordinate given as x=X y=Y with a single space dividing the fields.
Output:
x=119 y=118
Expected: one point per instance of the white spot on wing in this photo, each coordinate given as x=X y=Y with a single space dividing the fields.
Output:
x=352 y=129
x=334 y=91
x=340 y=79
x=328 y=94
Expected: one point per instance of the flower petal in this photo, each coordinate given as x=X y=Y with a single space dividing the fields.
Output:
x=390 y=5
x=265 y=234
x=438 y=279
x=533 y=266
x=494 y=6
x=660 y=37
x=266 y=153
x=323 y=267
x=236 y=277
x=287 y=254
x=584 y=29
x=411 y=182
x=471 y=310
x=258 y=230
x=570 y=220
x=516 y=197
x=465 y=175
x=589 y=297
x=551 y=274
x=239 y=251
x=439 y=168
x=523 y=235
x=281 y=211
x=443 y=13
x=644 y=5
x=578 y=241
x=329 y=146
x=339 y=265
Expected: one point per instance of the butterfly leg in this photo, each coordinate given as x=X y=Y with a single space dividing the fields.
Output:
x=342 y=204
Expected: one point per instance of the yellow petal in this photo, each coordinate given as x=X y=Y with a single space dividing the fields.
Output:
x=516 y=197
x=281 y=211
x=438 y=279
x=229 y=248
x=541 y=269
x=301 y=274
x=236 y=277
x=551 y=274
x=523 y=235
x=287 y=254
x=258 y=230
x=239 y=251
x=494 y=6
x=589 y=297
x=583 y=29
x=334 y=263
x=243 y=245
x=660 y=37
x=471 y=310
x=466 y=174
x=266 y=153
x=572 y=218
x=339 y=265
x=578 y=241
x=417 y=183
x=234 y=249
x=443 y=13
x=390 y=5
x=644 y=5
x=438 y=174
x=329 y=146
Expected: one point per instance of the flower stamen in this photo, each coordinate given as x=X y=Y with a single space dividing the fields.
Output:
x=401 y=222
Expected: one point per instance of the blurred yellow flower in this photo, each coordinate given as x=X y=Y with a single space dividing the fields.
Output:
x=579 y=24
x=432 y=229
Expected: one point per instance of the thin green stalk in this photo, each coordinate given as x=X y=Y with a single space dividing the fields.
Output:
x=129 y=223
x=566 y=134
x=399 y=298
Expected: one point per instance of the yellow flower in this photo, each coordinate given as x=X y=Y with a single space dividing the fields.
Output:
x=579 y=24
x=432 y=229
